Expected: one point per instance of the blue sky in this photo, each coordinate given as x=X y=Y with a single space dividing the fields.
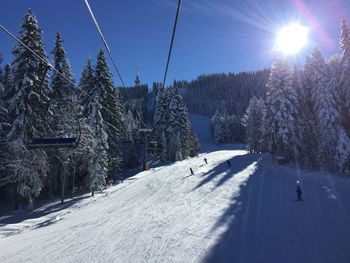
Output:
x=213 y=35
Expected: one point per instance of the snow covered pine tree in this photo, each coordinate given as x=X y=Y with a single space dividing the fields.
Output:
x=281 y=108
x=253 y=120
x=28 y=106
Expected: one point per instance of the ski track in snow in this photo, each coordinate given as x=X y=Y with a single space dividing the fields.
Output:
x=246 y=213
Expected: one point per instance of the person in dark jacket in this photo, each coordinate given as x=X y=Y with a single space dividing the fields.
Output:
x=192 y=173
x=299 y=192
x=205 y=160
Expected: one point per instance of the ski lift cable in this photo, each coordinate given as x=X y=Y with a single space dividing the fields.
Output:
x=172 y=41
x=107 y=48
x=104 y=41
x=109 y=52
x=53 y=68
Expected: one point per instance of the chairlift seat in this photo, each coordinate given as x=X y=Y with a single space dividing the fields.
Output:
x=281 y=160
x=52 y=143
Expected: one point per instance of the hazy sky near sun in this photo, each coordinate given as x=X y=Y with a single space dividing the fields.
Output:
x=213 y=35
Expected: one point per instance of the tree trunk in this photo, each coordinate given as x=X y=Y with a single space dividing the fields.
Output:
x=31 y=203
x=73 y=186
x=63 y=182
x=17 y=199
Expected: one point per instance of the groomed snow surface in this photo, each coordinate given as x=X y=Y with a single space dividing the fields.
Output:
x=246 y=213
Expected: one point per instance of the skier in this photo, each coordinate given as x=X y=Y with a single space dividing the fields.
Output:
x=299 y=192
x=229 y=163
x=192 y=173
x=205 y=160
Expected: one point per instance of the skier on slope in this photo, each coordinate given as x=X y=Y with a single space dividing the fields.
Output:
x=192 y=173
x=205 y=160
x=298 y=191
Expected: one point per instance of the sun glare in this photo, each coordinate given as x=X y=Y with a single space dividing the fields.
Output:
x=291 y=39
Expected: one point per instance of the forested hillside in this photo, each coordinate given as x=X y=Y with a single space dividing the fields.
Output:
x=224 y=92
x=224 y=98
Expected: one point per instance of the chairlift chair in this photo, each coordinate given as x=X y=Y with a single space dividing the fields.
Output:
x=52 y=143
x=154 y=147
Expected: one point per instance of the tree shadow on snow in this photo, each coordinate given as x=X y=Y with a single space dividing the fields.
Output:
x=48 y=222
x=238 y=164
x=15 y=217
x=264 y=224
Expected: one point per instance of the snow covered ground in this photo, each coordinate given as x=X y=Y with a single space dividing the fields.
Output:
x=246 y=213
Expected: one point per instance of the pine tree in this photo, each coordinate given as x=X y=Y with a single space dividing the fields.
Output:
x=4 y=127
x=333 y=122
x=344 y=80
x=164 y=151
x=5 y=157
x=161 y=112
x=236 y=130
x=307 y=127
x=343 y=91
x=156 y=86
x=253 y=121
x=112 y=113
x=322 y=81
x=218 y=127
x=64 y=106
x=172 y=126
x=63 y=99
x=30 y=92
x=95 y=158
x=131 y=146
x=182 y=141
x=28 y=105
x=7 y=81
x=160 y=119
x=2 y=86
x=342 y=157
x=61 y=87
x=304 y=148
x=281 y=108
x=1 y=70
x=98 y=161
x=86 y=83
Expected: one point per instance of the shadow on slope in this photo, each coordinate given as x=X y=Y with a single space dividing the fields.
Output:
x=264 y=224
x=238 y=164
x=15 y=217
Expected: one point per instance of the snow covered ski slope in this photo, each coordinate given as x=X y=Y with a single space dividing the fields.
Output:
x=246 y=213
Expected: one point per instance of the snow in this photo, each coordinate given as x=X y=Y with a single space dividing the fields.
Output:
x=200 y=125
x=246 y=213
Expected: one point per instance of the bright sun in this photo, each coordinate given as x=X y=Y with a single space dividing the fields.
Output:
x=291 y=39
